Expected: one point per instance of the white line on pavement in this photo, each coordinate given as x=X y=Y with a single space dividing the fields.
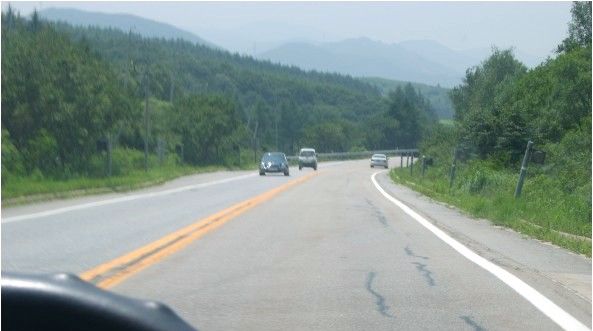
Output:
x=545 y=305
x=121 y=199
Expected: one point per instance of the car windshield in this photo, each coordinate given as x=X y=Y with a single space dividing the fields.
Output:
x=277 y=158
x=304 y=165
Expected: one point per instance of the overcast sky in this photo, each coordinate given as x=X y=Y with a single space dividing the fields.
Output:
x=531 y=27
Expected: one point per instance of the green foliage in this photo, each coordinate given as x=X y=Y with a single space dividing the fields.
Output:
x=70 y=92
x=57 y=99
x=440 y=102
x=480 y=99
x=413 y=115
x=12 y=160
x=208 y=127
x=487 y=192
x=579 y=28
x=499 y=107
x=267 y=96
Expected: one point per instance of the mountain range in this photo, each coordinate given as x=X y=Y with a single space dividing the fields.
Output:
x=124 y=22
x=422 y=61
x=419 y=61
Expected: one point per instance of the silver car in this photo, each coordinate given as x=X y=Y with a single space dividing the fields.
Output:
x=307 y=158
x=379 y=160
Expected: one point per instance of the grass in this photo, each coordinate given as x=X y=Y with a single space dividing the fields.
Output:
x=448 y=122
x=18 y=190
x=544 y=211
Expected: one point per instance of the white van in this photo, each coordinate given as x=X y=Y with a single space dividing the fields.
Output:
x=307 y=158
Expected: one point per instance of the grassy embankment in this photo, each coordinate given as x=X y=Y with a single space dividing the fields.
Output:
x=127 y=175
x=544 y=211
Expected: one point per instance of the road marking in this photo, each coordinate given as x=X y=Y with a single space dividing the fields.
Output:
x=545 y=305
x=121 y=199
x=114 y=272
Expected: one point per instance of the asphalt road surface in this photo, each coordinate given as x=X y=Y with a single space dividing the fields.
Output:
x=323 y=250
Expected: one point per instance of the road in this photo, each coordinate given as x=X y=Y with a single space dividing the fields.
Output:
x=321 y=250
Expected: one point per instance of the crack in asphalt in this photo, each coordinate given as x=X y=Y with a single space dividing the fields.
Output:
x=380 y=300
x=412 y=254
x=378 y=213
x=469 y=321
x=425 y=272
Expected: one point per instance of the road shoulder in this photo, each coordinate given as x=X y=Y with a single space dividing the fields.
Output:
x=562 y=276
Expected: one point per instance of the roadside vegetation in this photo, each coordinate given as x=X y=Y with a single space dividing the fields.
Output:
x=498 y=108
x=75 y=97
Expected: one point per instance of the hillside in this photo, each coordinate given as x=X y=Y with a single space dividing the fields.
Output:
x=421 y=61
x=124 y=22
x=436 y=95
x=363 y=57
x=88 y=102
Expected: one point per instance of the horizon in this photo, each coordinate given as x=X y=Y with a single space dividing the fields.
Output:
x=253 y=28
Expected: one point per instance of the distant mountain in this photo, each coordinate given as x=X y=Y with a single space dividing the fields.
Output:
x=124 y=22
x=422 y=61
x=438 y=96
x=461 y=59
x=363 y=57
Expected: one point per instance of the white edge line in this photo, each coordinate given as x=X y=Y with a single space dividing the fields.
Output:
x=121 y=199
x=545 y=305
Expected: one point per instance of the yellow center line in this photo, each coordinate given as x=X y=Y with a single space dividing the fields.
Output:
x=117 y=270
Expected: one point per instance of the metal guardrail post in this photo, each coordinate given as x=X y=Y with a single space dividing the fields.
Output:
x=423 y=165
x=453 y=168
x=523 y=172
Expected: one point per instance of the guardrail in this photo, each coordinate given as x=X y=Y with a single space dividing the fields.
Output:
x=358 y=155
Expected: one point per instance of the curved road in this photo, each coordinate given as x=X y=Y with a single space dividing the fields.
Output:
x=321 y=250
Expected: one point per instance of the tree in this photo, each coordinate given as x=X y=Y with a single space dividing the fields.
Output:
x=206 y=125
x=579 y=28
x=481 y=98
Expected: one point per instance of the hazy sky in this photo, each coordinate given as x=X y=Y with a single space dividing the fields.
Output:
x=532 y=27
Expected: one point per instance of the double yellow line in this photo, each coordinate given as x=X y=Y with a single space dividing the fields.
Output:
x=114 y=272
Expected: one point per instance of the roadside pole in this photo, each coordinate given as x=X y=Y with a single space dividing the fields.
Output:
x=145 y=124
x=523 y=172
x=109 y=157
x=453 y=168
x=401 y=160
x=412 y=164
x=423 y=165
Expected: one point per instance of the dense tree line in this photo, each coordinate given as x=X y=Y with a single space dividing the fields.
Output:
x=67 y=91
x=58 y=99
x=501 y=105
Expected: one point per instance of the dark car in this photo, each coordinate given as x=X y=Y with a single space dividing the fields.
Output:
x=273 y=162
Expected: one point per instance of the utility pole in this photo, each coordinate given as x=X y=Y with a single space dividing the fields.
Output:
x=109 y=158
x=255 y=141
x=145 y=123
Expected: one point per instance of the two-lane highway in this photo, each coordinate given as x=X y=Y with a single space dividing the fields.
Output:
x=323 y=251
x=73 y=236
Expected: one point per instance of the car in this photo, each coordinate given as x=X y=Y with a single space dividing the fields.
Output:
x=307 y=158
x=379 y=160
x=274 y=162
x=66 y=302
